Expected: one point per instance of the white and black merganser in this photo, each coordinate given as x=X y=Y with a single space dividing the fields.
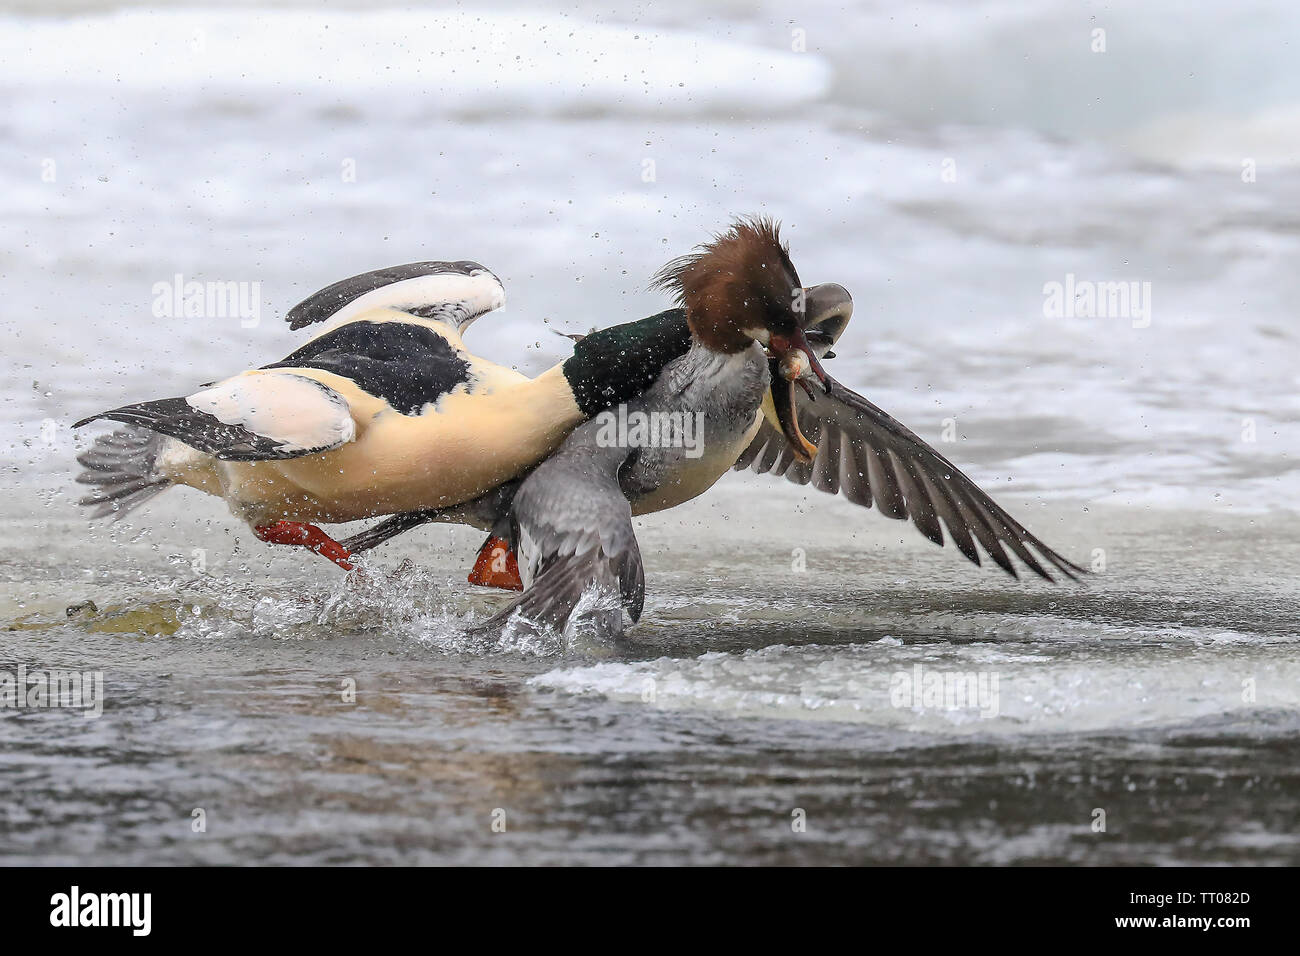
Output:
x=748 y=367
x=384 y=411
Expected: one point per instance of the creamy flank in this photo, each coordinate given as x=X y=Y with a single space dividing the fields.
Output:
x=468 y=441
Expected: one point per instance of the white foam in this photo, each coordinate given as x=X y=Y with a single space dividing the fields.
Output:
x=1084 y=689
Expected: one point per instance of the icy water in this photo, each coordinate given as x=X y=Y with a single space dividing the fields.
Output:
x=750 y=692
x=763 y=711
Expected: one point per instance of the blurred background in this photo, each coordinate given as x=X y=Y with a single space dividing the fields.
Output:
x=944 y=161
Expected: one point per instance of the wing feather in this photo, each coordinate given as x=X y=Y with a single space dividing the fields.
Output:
x=871 y=458
x=258 y=416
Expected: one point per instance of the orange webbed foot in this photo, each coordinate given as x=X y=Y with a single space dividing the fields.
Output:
x=305 y=536
x=496 y=566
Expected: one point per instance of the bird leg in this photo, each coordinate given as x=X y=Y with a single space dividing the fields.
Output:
x=496 y=566
x=306 y=536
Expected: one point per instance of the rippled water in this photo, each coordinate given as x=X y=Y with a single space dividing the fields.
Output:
x=750 y=692
x=763 y=711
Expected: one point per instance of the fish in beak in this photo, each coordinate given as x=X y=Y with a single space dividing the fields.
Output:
x=795 y=360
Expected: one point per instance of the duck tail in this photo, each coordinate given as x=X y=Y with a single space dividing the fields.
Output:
x=120 y=467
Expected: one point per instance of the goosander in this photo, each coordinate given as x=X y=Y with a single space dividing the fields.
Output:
x=383 y=411
x=753 y=371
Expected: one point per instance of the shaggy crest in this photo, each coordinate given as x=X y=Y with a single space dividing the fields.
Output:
x=743 y=280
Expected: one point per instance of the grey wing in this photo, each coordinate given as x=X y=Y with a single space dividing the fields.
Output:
x=572 y=532
x=871 y=458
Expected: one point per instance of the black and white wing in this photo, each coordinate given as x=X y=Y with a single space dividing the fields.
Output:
x=275 y=412
x=372 y=335
x=571 y=529
x=455 y=292
x=874 y=460
x=256 y=416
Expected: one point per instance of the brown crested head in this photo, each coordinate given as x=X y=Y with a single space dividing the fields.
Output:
x=739 y=288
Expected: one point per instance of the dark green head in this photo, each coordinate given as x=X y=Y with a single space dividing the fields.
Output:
x=617 y=364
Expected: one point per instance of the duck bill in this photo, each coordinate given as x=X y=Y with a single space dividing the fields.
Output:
x=794 y=364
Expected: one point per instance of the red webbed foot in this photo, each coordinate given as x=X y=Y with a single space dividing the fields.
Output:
x=305 y=536
x=496 y=566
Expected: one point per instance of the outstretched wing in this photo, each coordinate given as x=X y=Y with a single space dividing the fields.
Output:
x=872 y=459
x=256 y=416
x=571 y=528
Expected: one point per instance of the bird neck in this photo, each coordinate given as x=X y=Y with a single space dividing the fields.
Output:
x=617 y=364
